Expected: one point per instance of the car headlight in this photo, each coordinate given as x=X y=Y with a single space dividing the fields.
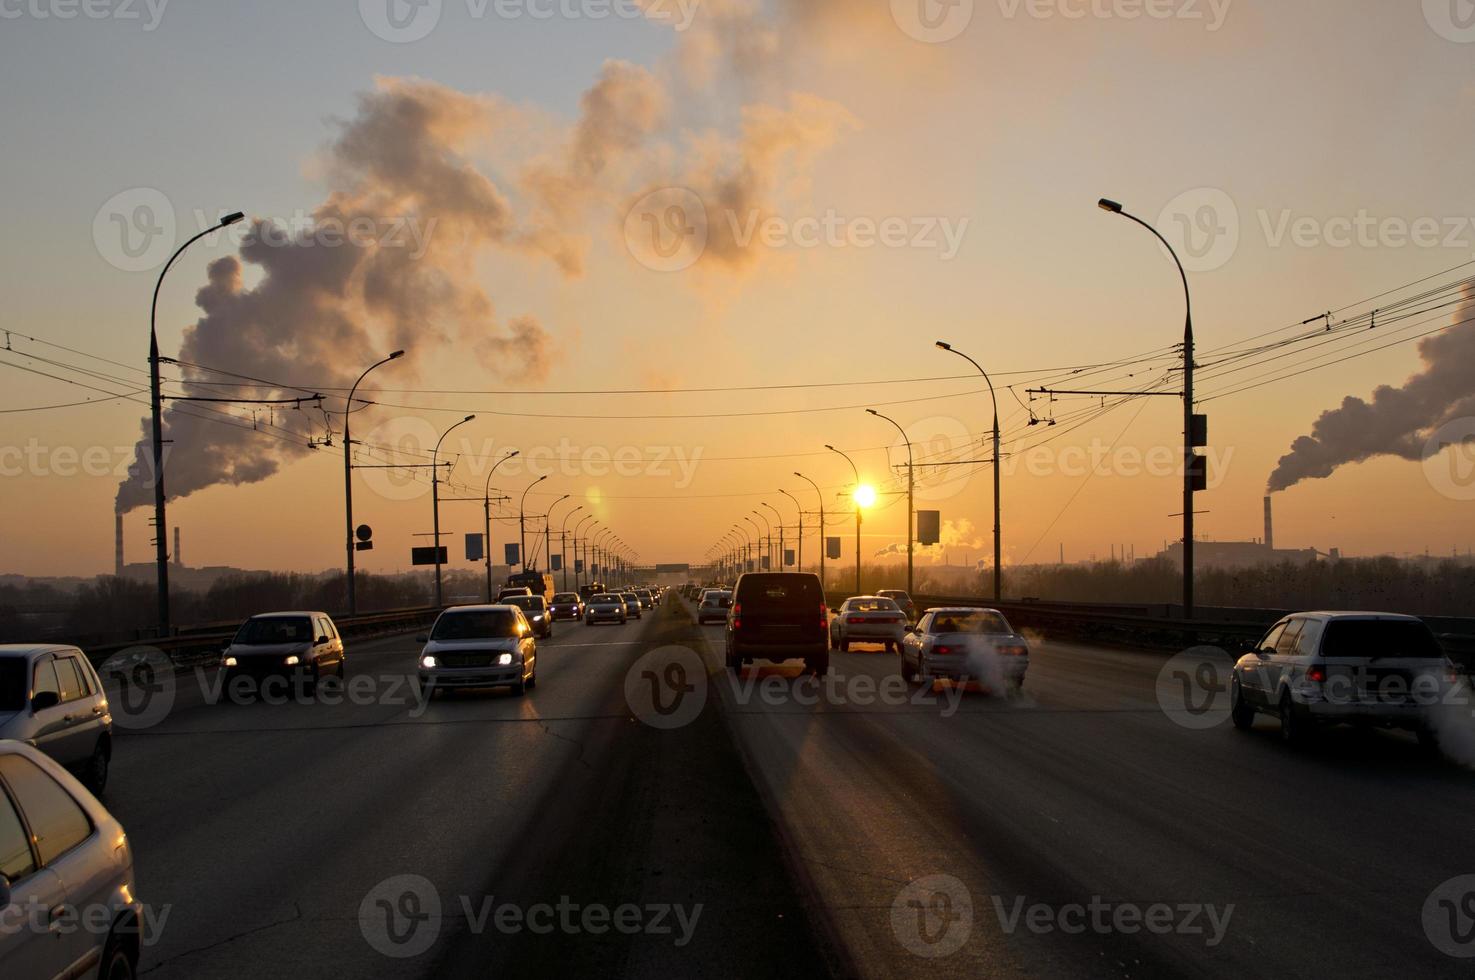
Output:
x=293 y=660
x=230 y=661
x=428 y=661
x=505 y=660
x=538 y=618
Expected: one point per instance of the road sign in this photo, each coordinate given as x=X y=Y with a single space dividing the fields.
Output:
x=427 y=556
x=788 y=557
x=929 y=526
x=555 y=563
x=832 y=547
x=578 y=566
x=364 y=532
x=474 y=551
x=512 y=554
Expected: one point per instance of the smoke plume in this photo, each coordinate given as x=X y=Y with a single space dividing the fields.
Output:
x=1397 y=421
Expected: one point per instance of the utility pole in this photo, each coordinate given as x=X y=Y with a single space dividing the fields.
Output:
x=353 y=607
x=856 y=494
x=799 y=558
x=778 y=519
x=435 y=502
x=487 y=505
x=998 y=466
x=522 y=524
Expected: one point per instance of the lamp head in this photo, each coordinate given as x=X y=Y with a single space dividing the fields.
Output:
x=469 y=418
x=231 y=218
x=396 y=355
x=831 y=448
x=872 y=411
x=1107 y=204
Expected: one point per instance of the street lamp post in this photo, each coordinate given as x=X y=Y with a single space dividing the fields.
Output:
x=156 y=402
x=522 y=523
x=856 y=492
x=799 y=558
x=998 y=465
x=487 y=508
x=767 y=543
x=757 y=542
x=353 y=607
x=911 y=489
x=780 y=520
x=435 y=502
x=548 y=531
x=1189 y=460
x=823 y=545
x=577 y=528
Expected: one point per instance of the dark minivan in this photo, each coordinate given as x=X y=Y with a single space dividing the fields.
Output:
x=779 y=616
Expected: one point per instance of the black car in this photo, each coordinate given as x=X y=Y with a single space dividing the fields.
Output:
x=779 y=616
x=567 y=605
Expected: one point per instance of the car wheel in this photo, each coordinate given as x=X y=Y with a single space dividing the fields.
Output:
x=96 y=775
x=312 y=679
x=533 y=679
x=1241 y=712
x=117 y=964
x=519 y=689
x=844 y=646
x=342 y=667
x=907 y=674
x=1292 y=725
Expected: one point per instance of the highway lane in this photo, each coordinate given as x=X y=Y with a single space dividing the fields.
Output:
x=262 y=830
x=1260 y=859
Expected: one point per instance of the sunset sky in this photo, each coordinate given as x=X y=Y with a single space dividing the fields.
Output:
x=515 y=167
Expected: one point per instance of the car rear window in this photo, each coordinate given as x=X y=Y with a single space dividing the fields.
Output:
x=1400 y=638
x=970 y=622
x=779 y=592
x=873 y=605
x=492 y=624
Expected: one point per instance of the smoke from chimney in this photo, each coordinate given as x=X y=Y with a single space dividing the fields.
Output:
x=1398 y=421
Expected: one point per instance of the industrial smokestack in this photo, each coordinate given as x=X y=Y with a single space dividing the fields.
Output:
x=178 y=562
x=118 y=545
x=1269 y=526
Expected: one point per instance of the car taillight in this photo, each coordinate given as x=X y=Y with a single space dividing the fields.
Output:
x=1316 y=674
x=824 y=616
x=944 y=649
x=737 y=612
x=1014 y=650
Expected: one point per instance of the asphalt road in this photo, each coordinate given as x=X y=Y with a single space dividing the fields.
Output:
x=930 y=836
x=860 y=828
x=479 y=834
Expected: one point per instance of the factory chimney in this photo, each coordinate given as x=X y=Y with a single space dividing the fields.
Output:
x=178 y=562
x=1269 y=526
x=118 y=545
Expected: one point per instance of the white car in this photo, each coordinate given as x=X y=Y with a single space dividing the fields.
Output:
x=606 y=607
x=1314 y=668
x=68 y=905
x=479 y=646
x=868 y=619
x=714 y=607
x=965 y=643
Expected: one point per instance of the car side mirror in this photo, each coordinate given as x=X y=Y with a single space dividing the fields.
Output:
x=4 y=892
x=422 y=638
x=1264 y=652
x=323 y=639
x=45 y=700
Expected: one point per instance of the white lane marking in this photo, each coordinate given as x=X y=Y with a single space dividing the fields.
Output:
x=616 y=643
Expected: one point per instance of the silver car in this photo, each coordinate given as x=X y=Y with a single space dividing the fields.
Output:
x=51 y=698
x=965 y=644
x=1361 y=668
x=66 y=876
x=714 y=607
x=606 y=607
x=479 y=646
x=868 y=619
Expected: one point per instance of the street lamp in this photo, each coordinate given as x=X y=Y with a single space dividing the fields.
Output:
x=487 y=509
x=823 y=544
x=156 y=401
x=578 y=527
x=780 y=519
x=522 y=523
x=856 y=495
x=757 y=542
x=435 y=502
x=548 y=531
x=348 y=478
x=998 y=465
x=911 y=488
x=1189 y=442
x=799 y=566
x=768 y=549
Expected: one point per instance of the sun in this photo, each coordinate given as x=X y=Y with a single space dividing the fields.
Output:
x=865 y=495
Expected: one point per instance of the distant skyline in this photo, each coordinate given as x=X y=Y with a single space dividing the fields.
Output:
x=572 y=222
